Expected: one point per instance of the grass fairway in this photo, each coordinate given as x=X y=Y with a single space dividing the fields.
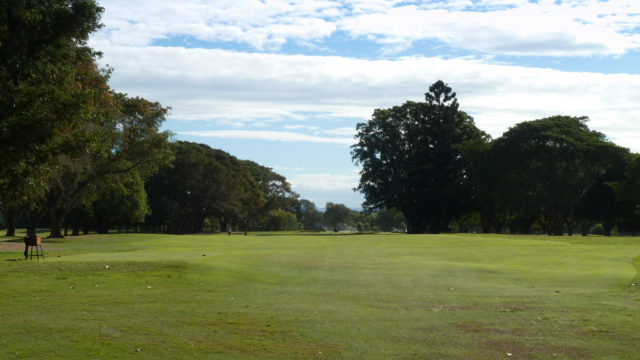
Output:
x=292 y=296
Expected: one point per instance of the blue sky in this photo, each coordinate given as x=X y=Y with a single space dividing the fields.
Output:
x=284 y=83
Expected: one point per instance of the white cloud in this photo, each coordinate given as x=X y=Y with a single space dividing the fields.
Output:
x=261 y=24
x=325 y=182
x=538 y=29
x=203 y=84
x=300 y=126
x=517 y=27
x=283 y=136
x=304 y=94
x=346 y=131
x=235 y=88
x=286 y=168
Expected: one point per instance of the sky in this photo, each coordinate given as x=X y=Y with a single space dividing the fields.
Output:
x=284 y=83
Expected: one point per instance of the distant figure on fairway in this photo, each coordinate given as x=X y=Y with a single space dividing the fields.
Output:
x=229 y=231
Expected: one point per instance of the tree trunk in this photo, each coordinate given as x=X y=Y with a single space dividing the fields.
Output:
x=11 y=215
x=31 y=229
x=224 y=224
x=498 y=226
x=608 y=227
x=75 y=230
x=558 y=228
x=33 y=219
x=103 y=230
x=584 y=227
x=55 y=222
x=571 y=224
x=415 y=225
x=485 y=223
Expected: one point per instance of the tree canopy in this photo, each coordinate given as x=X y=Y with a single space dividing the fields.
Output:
x=337 y=216
x=49 y=86
x=78 y=153
x=541 y=171
x=412 y=159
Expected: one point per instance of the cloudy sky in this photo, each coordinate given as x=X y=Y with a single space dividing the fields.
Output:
x=284 y=83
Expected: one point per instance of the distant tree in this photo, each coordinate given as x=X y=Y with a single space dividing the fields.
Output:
x=280 y=220
x=388 y=220
x=412 y=159
x=466 y=222
x=306 y=213
x=274 y=189
x=122 y=202
x=337 y=216
x=204 y=183
x=245 y=194
x=196 y=186
x=363 y=221
x=541 y=170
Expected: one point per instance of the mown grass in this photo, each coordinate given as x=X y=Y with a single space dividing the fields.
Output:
x=310 y=296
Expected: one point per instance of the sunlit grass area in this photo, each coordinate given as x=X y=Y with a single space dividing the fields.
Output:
x=323 y=296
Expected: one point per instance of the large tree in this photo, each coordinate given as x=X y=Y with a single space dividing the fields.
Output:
x=412 y=159
x=200 y=183
x=126 y=142
x=47 y=88
x=541 y=171
x=276 y=192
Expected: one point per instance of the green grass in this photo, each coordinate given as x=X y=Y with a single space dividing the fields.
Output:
x=311 y=296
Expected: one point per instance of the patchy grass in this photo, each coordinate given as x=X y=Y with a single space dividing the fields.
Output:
x=309 y=296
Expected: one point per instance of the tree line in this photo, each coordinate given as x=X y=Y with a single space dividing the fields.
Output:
x=552 y=175
x=79 y=156
x=206 y=189
x=68 y=142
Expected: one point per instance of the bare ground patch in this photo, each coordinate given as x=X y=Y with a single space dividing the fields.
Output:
x=12 y=246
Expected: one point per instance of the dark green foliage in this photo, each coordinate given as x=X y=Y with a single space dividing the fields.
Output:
x=540 y=171
x=307 y=214
x=208 y=184
x=200 y=183
x=75 y=152
x=337 y=216
x=276 y=195
x=599 y=205
x=120 y=203
x=278 y=219
x=388 y=220
x=628 y=196
x=48 y=85
x=64 y=135
x=123 y=145
x=412 y=159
